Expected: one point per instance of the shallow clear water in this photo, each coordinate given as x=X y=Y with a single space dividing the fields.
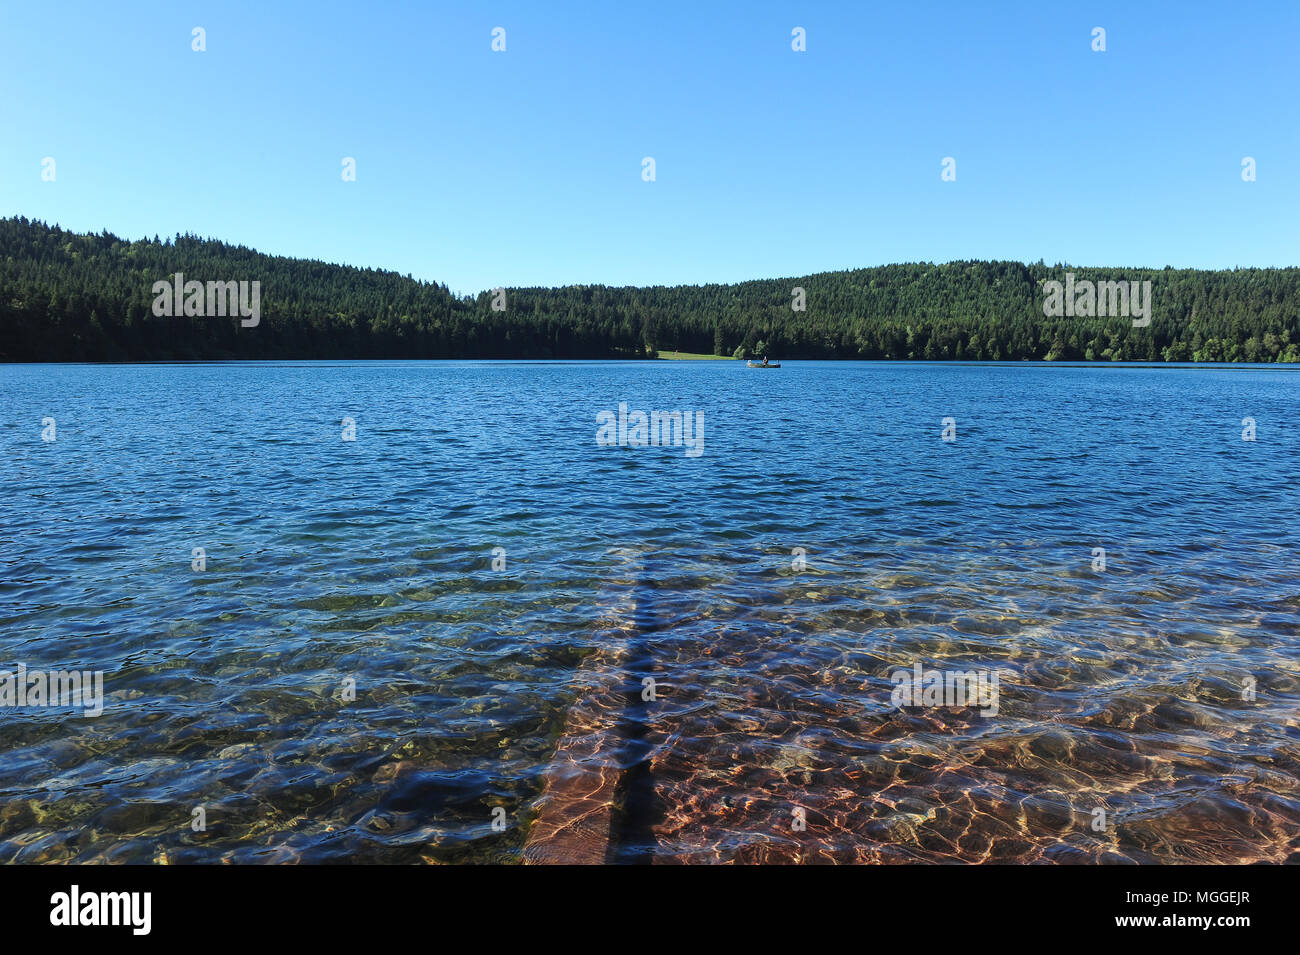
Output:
x=476 y=688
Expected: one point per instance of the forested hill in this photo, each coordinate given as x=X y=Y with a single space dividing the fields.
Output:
x=71 y=297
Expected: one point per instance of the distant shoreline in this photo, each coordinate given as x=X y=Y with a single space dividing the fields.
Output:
x=69 y=297
x=694 y=356
x=694 y=359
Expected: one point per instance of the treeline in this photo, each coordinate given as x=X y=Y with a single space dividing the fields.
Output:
x=71 y=297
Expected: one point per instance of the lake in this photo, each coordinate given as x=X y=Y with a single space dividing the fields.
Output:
x=460 y=611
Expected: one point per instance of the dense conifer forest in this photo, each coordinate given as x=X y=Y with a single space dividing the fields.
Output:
x=65 y=296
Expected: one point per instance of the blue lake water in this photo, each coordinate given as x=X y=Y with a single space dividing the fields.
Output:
x=353 y=675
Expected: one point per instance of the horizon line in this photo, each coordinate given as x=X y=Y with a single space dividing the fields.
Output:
x=166 y=240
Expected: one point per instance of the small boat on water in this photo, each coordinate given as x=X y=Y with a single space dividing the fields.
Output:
x=764 y=364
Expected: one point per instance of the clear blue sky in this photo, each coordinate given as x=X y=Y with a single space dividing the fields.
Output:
x=480 y=169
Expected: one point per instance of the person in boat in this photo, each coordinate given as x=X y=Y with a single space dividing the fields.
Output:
x=764 y=361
